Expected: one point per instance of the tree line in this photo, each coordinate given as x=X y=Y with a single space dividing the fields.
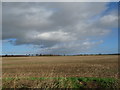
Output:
x=27 y=55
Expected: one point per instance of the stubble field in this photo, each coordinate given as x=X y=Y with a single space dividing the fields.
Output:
x=22 y=72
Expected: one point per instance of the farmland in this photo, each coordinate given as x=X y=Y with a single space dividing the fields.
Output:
x=33 y=71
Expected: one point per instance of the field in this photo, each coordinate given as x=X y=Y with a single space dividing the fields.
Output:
x=56 y=71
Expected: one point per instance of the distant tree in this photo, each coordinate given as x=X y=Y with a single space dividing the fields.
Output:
x=99 y=54
x=37 y=55
x=40 y=55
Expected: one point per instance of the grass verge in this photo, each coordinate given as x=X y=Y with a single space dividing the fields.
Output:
x=59 y=82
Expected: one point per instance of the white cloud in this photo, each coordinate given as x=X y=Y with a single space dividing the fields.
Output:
x=58 y=27
x=52 y=36
x=109 y=20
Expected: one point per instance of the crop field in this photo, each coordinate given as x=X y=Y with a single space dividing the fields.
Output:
x=60 y=71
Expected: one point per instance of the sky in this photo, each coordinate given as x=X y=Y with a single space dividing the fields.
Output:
x=59 y=27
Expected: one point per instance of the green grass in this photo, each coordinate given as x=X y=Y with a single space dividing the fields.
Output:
x=68 y=82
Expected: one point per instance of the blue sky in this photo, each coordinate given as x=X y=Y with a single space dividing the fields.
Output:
x=59 y=28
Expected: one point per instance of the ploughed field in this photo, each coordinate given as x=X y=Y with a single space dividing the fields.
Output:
x=29 y=71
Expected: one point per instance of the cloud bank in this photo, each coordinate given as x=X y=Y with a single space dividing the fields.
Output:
x=57 y=27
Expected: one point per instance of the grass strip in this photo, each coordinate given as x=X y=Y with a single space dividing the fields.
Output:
x=72 y=82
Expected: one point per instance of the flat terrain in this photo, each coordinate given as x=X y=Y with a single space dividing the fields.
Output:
x=60 y=66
